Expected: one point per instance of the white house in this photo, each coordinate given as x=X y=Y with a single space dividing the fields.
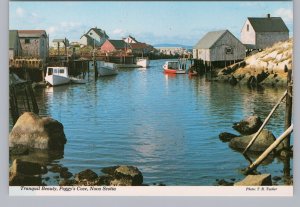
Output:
x=130 y=39
x=262 y=32
x=94 y=36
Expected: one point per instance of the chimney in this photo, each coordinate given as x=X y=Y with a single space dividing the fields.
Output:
x=268 y=15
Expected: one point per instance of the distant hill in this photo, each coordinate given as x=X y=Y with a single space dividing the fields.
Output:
x=172 y=45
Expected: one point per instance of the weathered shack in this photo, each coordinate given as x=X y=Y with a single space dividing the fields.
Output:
x=219 y=48
x=15 y=49
x=35 y=43
x=262 y=32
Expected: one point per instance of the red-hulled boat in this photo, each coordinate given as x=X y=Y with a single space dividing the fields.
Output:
x=173 y=67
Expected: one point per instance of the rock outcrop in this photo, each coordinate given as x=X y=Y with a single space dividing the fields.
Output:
x=248 y=125
x=35 y=132
x=116 y=176
x=226 y=137
x=265 y=68
x=26 y=173
x=256 y=180
x=262 y=142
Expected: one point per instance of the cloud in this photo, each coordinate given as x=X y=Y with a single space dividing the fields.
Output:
x=119 y=32
x=20 y=12
x=285 y=14
x=71 y=30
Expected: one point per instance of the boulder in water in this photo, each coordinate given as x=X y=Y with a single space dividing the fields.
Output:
x=33 y=131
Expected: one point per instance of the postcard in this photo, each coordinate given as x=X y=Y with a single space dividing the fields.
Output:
x=171 y=98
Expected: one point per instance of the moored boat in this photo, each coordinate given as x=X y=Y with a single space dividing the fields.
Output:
x=173 y=67
x=77 y=80
x=57 y=76
x=143 y=62
x=105 y=69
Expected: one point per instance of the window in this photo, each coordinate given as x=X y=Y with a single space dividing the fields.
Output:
x=27 y=40
x=228 y=50
x=247 y=27
x=91 y=33
x=55 y=71
x=50 y=71
x=61 y=71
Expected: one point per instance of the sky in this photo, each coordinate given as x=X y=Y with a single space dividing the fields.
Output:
x=151 y=22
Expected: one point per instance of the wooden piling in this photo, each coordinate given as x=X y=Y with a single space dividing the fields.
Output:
x=288 y=107
x=264 y=123
x=265 y=154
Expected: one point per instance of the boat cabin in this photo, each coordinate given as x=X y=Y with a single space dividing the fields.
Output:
x=173 y=65
x=60 y=71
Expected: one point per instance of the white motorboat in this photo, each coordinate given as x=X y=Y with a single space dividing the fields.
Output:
x=57 y=76
x=144 y=62
x=105 y=69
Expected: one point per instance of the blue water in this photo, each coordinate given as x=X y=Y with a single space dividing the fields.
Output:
x=167 y=126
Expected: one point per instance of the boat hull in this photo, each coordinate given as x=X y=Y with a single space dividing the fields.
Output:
x=55 y=80
x=173 y=71
x=105 y=71
x=143 y=63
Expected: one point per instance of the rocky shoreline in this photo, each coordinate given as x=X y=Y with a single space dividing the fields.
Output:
x=266 y=68
x=43 y=139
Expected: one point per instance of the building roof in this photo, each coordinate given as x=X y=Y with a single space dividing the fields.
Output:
x=118 y=44
x=13 y=37
x=268 y=24
x=32 y=33
x=209 y=39
x=138 y=45
x=99 y=32
x=133 y=38
x=58 y=40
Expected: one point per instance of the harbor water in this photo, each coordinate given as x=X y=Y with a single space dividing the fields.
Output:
x=167 y=126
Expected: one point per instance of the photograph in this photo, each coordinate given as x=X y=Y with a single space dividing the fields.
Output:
x=160 y=96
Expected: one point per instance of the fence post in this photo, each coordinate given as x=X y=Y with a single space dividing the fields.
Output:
x=288 y=108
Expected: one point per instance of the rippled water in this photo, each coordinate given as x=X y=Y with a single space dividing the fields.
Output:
x=167 y=126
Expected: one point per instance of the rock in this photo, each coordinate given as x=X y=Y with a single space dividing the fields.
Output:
x=130 y=173
x=27 y=168
x=105 y=179
x=109 y=170
x=24 y=180
x=65 y=174
x=35 y=132
x=256 y=180
x=262 y=142
x=261 y=76
x=58 y=168
x=276 y=178
x=18 y=150
x=67 y=182
x=223 y=182
x=88 y=175
x=248 y=126
x=26 y=173
x=232 y=80
x=226 y=137
x=121 y=182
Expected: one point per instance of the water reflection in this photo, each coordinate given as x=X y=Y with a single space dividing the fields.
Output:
x=159 y=123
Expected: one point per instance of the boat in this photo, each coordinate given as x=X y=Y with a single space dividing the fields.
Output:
x=57 y=76
x=173 y=67
x=77 y=80
x=143 y=62
x=105 y=69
